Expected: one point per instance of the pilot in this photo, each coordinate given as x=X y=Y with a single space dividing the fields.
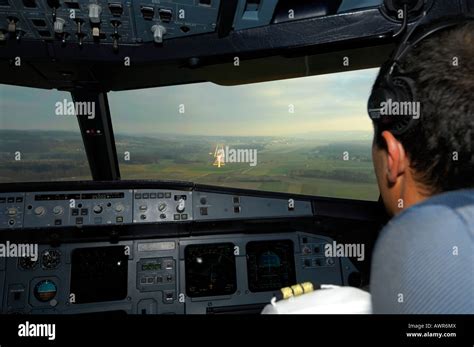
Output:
x=423 y=261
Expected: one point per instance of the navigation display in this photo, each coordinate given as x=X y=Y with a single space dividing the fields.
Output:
x=210 y=270
x=270 y=265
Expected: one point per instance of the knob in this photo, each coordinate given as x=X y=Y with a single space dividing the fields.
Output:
x=39 y=211
x=97 y=209
x=119 y=208
x=59 y=26
x=57 y=210
x=143 y=207
x=94 y=13
x=158 y=32
x=12 y=211
x=162 y=207
x=181 y=206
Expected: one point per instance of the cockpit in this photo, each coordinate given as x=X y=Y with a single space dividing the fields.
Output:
x=189 y=156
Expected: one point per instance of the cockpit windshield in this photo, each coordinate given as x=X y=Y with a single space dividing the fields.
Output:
x=306 y=135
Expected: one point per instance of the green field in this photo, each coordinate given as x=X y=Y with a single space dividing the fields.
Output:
x=293 y=165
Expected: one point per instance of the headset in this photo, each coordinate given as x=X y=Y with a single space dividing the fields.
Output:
x=393 y=87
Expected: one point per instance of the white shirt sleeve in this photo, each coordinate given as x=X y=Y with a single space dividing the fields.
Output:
x=330 y=299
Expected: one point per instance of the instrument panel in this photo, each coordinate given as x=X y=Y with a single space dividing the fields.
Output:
x=205 y=274
x=118 y=22
x=26 y=210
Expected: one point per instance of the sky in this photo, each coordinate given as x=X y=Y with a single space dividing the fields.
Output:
x=321 y=104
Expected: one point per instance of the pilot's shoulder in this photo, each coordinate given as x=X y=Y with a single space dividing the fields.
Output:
x=444 y=213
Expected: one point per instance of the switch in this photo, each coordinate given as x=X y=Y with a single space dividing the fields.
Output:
x=80 y=35
x=116 y=9
x=12 y=24
x=54 y=4
x=59 y=26
x=165 y=15
x=181 y=206
x=148 y=12
x=94 y=13
x=95 y=32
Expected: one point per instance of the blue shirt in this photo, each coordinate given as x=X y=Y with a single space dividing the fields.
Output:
x=423 y=261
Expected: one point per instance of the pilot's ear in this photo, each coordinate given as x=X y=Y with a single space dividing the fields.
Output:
x=395 y=157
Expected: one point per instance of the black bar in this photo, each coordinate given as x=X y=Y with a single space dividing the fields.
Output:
x=98 y=135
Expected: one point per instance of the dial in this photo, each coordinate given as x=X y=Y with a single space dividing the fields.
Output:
x=162 y=207
x=40 y=211
x=51 y=258
x=97 y=209
x=27 y=263
x=45 y=290
x=57 y=210
x=119 y=208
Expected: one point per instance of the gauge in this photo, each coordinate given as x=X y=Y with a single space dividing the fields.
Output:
x=50 y=258
x=270 y=265
x=210 y=270
x=45 y=290
x=27 y=263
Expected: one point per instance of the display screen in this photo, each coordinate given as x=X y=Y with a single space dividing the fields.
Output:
x=99 y=274
x=210 y=270
x=270 y=265
x=151 y=267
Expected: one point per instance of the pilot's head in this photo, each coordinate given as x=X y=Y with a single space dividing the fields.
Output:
x=435 y=153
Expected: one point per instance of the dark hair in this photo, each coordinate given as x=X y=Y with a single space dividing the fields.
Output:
x=446 y=93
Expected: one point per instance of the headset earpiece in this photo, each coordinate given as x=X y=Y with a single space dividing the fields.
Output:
x=393 y=103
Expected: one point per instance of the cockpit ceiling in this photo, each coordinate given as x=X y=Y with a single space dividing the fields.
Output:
x=86 y=51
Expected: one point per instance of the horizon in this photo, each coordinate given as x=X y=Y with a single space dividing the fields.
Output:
x=294 y=107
